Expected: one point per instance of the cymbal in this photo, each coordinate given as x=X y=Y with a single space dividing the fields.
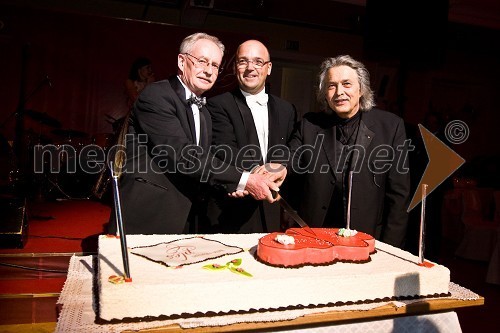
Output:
x=33 y=136
x=43 y=118
x=70 y=133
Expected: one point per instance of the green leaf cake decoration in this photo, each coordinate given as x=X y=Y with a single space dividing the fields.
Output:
x=232 y=265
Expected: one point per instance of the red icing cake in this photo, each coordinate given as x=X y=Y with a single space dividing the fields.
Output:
x=322 y=246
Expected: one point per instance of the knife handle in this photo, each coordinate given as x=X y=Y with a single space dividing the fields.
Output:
x=275 y=194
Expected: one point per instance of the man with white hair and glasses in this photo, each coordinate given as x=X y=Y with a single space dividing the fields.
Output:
x=168 y=160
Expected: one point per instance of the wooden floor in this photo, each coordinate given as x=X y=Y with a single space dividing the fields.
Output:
x=32 y=277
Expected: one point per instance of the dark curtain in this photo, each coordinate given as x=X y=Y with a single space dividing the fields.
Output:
x=87 y=59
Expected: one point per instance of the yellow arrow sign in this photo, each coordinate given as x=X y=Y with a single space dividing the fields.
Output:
x=443 y=161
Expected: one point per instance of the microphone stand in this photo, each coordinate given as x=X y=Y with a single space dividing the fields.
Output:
x=19 y=127
x=19 y=112
x=19 y=147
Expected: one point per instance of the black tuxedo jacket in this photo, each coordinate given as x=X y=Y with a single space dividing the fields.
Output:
x=165 y=171
x=380 y=189
x=235 y=140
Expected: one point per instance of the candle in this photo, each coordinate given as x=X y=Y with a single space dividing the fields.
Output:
x=119 y=223
x=421 y=243
x=349 y=197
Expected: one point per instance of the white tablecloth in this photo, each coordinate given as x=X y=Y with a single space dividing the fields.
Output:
x=78 y=312
x=429 y=323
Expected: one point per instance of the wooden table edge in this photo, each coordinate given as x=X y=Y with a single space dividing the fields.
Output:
x=335 y=317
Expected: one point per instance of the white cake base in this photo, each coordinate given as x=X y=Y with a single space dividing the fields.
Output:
x=157 y=290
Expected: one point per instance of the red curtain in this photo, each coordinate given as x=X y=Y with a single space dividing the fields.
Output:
x=87 y=59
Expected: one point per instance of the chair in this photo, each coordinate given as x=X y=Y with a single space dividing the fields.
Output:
x=496 y=198
x=493 y=274
x=479 y=234
x=452 y=227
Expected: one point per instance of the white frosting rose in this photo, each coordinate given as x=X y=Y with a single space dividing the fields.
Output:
x=347 y=232
x=285 y=239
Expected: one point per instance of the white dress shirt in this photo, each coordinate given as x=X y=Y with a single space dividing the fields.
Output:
x=258 y=106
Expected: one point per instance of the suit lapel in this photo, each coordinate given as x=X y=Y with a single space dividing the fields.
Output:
x=248 y=123
x=364 y=138
x=187 y=118
x=329 y=146
x=274 y=123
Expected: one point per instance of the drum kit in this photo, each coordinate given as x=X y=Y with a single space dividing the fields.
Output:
x=65 y=181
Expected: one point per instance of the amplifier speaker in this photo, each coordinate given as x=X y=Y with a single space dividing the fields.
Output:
x=13 y=223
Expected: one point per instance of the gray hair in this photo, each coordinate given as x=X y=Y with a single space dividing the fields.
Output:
x=367 y=100
x=188 y=42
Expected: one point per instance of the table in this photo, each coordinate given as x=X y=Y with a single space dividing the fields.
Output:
x=77 y=314
x=383 y=319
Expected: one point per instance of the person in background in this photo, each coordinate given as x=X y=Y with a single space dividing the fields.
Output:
x=168 y=163
x=253 y=126
x=352 y=135
x=141 y=74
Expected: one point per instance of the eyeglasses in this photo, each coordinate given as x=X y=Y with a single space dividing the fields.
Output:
x=202 y=63
x=257 y=63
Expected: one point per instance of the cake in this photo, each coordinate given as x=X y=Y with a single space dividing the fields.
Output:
x=316 y=246
x=184 y=275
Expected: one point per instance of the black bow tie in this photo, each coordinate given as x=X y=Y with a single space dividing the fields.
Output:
x=199 y=101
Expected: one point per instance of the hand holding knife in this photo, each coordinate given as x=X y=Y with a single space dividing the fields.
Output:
x=292 y=213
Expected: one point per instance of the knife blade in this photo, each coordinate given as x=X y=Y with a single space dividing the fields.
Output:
x=292 y=213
